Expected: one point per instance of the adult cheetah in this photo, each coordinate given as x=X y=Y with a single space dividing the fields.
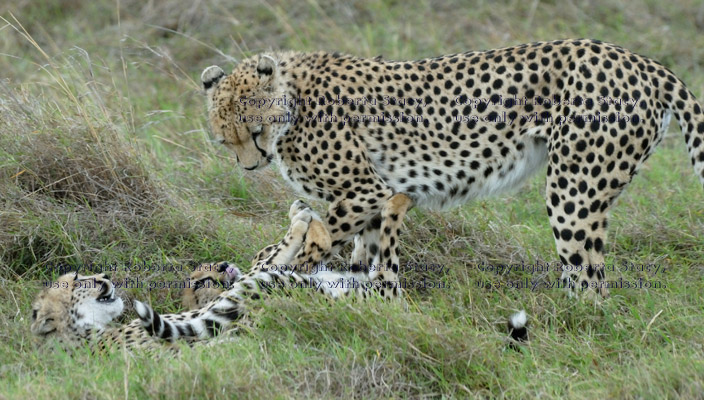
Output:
x=445 y=130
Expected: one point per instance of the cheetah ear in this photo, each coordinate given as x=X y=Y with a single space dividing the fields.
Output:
x=211 y=76
x=43 y=325
x=267 y=65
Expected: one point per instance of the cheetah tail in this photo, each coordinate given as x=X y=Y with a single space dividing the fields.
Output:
x=517 y=328
x=219 y=314
x=206 y=326
x=153 y=323
x=230 y=306
x=690 y=116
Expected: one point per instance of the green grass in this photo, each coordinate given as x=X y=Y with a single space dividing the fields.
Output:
x=104 y=157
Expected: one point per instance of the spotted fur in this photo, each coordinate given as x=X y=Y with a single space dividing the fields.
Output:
x=77 y=310
x=439 y=146
x=206 y=282
x=271 y=273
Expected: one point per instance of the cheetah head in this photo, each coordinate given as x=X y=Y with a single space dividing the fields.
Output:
x=74 y=306
x=206 y=282
x=245 y=110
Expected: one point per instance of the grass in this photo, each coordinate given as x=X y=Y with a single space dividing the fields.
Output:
x=105 y=157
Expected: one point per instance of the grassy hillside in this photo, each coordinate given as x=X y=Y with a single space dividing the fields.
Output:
x=105 y=158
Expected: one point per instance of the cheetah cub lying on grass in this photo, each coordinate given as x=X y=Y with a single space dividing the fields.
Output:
x=79 y=309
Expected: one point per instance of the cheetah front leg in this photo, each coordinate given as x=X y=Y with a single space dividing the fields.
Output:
x=387 y=259
x=366 y=246
x=377 y=245
x=345 y=218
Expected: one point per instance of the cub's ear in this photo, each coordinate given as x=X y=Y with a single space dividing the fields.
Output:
x=43 y=325
x=211 y=76
x=267 y=65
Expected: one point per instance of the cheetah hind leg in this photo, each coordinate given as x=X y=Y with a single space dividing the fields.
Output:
x=579 y=227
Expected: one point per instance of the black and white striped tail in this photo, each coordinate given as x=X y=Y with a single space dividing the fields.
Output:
x=230 y=306
x=210 y=324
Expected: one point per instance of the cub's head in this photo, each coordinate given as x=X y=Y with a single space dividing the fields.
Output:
x=74 y=306
x=246 y=109
x=206 y=283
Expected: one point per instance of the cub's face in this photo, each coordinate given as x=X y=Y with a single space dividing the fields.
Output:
x=207 y=282
x=75 y=304
x=245 y=110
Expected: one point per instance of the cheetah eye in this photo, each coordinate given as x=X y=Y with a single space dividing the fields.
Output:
x=257 y=130
x=34 y=314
